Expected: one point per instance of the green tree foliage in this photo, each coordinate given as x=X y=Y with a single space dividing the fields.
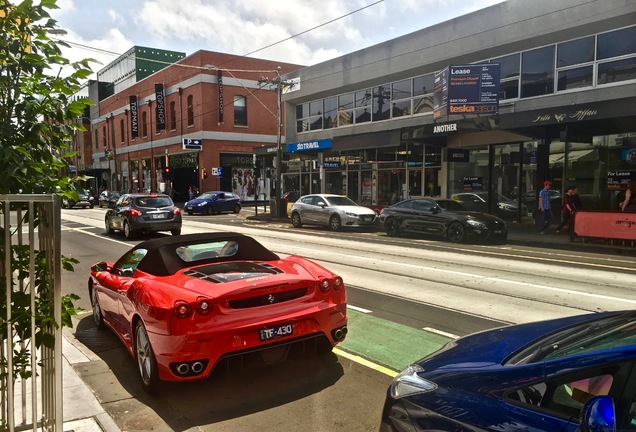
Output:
x=38 y=115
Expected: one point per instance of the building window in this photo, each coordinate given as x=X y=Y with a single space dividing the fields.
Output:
x=173 y=116
x=96 y=138
x=240 y=111
x=401 y=98
x=362 y=111
x=190 y=110
x=315 y=115
x=616 y=43
x=104 y=136
x=122 y=132
x=345 y=109
x=537 y=72
x=331 y=113
x=381 y=103
x=509 y=67
x=423 y=93
x=144 y=124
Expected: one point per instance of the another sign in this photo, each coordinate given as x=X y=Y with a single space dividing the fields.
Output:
x=134 y=117
x=473 y=184
x=457 y=155
x=309 y=146
x=609 y=225
x=467 y=89
x=620 y=179
x=160 y=108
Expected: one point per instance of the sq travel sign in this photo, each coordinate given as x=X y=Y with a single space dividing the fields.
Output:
x=473 y=89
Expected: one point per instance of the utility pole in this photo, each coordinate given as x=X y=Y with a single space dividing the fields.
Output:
x=278 y=82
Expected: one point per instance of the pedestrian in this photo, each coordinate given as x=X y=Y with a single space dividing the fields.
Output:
x=544 y=207
x=192 y=193
x=578 y=204
x=629 y=204
x=568 y=208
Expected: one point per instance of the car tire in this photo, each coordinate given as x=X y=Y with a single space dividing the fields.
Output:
x=456 y=232
x=175 y=231
x=145 y=357
x=128 y=233
x=190 y=213
x=335 y=223
x=237 y=208
x=109 y=230
x=98 y=315
x=296 y=221
x=392 y=228
x=210 y=210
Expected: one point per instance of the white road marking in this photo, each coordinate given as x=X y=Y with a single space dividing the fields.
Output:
x=441 y=333
x=359 y=309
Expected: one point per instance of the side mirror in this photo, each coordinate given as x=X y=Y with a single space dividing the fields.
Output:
x=321 y=204
x=101 y=266
x=435 y=210
x=597 y=415
x=127 y=272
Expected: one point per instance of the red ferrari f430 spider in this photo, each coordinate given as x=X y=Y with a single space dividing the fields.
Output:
x=183 y=304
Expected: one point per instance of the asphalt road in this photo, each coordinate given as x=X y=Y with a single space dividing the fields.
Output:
x=407 y=297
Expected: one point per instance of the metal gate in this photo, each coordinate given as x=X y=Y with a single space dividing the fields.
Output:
x=30 y=382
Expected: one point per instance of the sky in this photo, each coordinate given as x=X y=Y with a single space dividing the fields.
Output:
x=326 y=29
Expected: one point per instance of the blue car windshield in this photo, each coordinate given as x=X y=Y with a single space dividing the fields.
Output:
x=207 y=196
x=611 y=332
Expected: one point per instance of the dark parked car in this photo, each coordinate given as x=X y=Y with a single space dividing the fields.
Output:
x=441 y=217
x=478 y=201
x=108 y=199
x=291 y=196
x=553 y=376
x=84 y=200
x=214 y=202
x=137 y=213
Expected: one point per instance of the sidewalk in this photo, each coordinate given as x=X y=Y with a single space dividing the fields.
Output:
x=82 y=411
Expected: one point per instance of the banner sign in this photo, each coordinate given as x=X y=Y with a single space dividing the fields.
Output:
x=619 y=179
x=457 y=155
x=309 y=145
x=134 y=118
x=467 y=89
x=219 y=77
x=160 y=109
x=440 y=94
x=473 y=183
x=609 y=225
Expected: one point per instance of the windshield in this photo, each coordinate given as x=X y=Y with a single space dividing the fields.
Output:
x=153 y=202
x=610 y=332
x=451 y=205
x=207 y=196
x=340 y=201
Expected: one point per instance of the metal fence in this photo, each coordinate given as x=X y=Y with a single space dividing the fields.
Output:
x=30 y=377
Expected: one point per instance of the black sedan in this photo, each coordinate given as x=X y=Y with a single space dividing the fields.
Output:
x=108 y=199
x=441 y=217
x=137 y=213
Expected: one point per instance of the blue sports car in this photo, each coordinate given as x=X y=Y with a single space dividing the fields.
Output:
x=558 y=375
x=214 y=202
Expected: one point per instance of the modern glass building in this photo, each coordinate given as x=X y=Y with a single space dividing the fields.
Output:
x=364 y=124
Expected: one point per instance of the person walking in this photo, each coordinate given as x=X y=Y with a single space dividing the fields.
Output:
x=629 y=204
x=568 y=208
x=192 y=192
x=544 y=207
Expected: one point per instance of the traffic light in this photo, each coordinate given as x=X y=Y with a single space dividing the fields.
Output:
x=168 y=173
x=205 y=174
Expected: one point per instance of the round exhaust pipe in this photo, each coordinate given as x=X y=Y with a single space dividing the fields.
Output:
x=338 y=334
x=197 y=367
x=183 y=368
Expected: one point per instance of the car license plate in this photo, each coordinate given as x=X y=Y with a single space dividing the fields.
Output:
x=159 y=216
x=276 y=331
x=189 y=207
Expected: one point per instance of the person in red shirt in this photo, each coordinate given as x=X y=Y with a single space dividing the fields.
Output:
x=567 y=208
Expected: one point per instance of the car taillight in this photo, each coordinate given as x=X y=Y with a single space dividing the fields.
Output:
x=338 y=283
x=204 y=305
x=382 y=211
x=134 y=212
x=182 y=309
x=324 y=285
x=177 y=211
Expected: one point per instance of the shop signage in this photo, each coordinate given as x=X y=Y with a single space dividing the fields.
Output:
x=467 y=89
x=457 y=155
x=620 y=179
x=217 y=171
x=192 y=144
x=611 y=225
x=331 y=165
x=134 y=119
x=629 y=155
x=473 y=183
x=160 y=108
x=219 y=77
x=239 y=159
x=309 y=146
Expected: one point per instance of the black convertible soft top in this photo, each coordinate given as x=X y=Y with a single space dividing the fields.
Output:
x=162 y=259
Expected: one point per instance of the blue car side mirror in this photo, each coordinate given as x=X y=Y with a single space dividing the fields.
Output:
x=597 y=415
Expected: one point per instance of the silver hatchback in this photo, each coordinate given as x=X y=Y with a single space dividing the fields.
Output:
x=334 y=211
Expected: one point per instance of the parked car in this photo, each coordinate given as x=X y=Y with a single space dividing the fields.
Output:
x=208 y=297
x=531 y=199
x=108 y=199
x=291 y=196
x=551 y=376
x=478 y=201
x=441 y=217
x=84 y=200
x=333 y=211
x=214 y=202
x=137 y=213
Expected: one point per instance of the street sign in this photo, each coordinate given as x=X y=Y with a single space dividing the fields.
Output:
x=192 y=144
x=217 y=171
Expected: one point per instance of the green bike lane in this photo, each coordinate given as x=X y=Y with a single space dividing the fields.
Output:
x=385 y=345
